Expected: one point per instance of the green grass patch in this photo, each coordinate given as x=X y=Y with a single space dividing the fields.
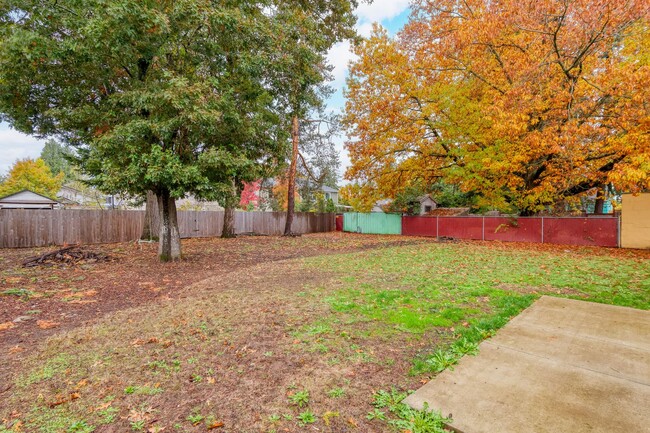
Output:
x=468 y=290
x=52 y=367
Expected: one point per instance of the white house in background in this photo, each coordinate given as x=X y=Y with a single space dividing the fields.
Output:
x=27 y=199
x=88 y=197
x=192 y=203
x=72 y=197
x=330 y=193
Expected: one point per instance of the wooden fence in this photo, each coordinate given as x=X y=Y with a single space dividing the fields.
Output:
x=33 y=228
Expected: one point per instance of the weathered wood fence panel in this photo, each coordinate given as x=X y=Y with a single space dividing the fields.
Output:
x=21 y=228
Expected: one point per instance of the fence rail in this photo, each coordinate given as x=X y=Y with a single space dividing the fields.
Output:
x=599 y=231
x=33 y=228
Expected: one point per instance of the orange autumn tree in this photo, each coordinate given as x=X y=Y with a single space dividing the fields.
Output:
x=528 y=103
x=280 y=192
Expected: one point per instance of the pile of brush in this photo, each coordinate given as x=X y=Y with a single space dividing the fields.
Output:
x=69 y=255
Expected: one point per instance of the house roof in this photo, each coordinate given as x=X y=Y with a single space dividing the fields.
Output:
x=326 y=188
x=70 y=188
x=28 y=197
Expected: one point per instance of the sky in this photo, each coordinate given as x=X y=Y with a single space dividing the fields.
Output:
x=392 y=14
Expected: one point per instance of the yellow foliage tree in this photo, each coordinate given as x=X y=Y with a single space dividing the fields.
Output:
x=33 y=175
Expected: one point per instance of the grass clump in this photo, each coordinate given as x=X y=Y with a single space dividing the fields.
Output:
x=403 y=417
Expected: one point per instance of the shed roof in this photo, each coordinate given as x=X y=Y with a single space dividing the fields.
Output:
x=326 y=188
x=426 y=197
x=28 y=197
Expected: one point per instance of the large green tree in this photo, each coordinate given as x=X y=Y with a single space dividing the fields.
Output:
x=149 y=92
x=58 y=157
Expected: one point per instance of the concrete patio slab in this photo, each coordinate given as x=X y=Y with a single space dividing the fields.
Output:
x=560 y=366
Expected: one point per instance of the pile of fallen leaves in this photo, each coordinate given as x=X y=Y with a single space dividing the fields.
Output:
x=70 y=255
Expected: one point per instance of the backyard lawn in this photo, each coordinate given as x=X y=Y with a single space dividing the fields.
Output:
x=323 y=332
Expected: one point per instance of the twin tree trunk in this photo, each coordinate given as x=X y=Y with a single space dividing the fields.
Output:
x=169 y=246
x=228 y=230
x=151 y=225
x=291 y=204
x=228 y=222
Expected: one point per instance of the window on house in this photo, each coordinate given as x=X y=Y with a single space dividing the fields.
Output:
x=427 y=209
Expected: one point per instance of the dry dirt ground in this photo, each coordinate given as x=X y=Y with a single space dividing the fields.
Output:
x=41 y=301
x=245 y=294
x=238 y=337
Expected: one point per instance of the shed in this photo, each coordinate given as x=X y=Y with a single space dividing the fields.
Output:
x=427 y=204
x=27 y=199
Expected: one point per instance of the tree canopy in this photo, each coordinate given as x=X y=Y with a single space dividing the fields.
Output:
x=33 y=175
x=57 y=158
x=525 y=103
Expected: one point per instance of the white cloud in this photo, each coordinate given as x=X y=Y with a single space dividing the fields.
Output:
x=340 y=55
x=365 y=29
x=15 y=145
x=380 y=10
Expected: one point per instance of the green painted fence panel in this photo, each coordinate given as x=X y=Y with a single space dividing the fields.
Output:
x=376 y=223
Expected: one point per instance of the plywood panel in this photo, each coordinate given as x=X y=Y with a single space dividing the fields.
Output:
x=635 y=221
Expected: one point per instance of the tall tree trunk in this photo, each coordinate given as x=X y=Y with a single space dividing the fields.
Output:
x=291 y=205
x=228 y=222
x=169 y=247
x=228 y=230
x=599 y=206
x=151 y=227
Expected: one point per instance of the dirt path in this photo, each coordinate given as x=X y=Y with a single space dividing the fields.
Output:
x=41 y=301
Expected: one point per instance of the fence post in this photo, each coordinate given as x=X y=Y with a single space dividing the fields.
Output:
x=618 y=231
x=542 y=229
x=483 y=229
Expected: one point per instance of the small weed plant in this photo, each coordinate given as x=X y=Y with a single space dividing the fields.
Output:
x=137 y=425
x=195 y=417
x=337 y=392
x=299 y=398
x=80 y=427
x=306 y=417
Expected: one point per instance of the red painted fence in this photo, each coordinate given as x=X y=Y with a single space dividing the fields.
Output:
x=600 y=231
x=339 y=223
